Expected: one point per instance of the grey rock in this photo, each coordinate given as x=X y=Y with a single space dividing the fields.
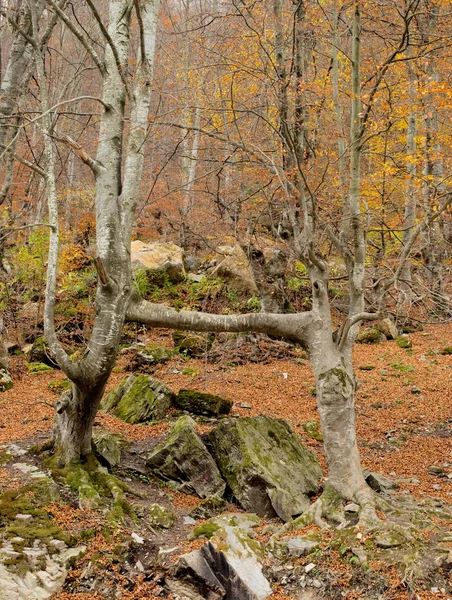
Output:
x=267 y=467
x=209 y=507
x=388 y=328
x=6 y=382
x=228 y=566
x=160 y=517
x=435 y=470
x=200 y=403
x=183 y=460
x=389 y=539
x=299 y=546
x=109 y=446
x=378 y=482
x=158 y=258
x=138 y=399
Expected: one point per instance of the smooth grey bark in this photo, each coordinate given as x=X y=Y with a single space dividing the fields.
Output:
x=117 y=170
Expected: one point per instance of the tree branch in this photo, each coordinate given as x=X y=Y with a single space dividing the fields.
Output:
x=299 y=327
x=110 y=42
x=79 y=35
x=353 y=321
x=78 y=149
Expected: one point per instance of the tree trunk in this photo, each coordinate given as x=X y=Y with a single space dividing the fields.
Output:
x=75 y=413
x=335 y=386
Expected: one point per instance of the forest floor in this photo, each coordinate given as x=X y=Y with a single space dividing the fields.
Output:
x=404 y=424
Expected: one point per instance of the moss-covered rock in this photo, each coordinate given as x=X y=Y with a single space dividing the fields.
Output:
x=138 y=399
x=109 y=445
x=204 y=531
x=410 y=326
x=405 y=343
x=184 y=462
x=6 y=382
x=40 y=353
x=192 y=344
x=266 y=466
x=149 y=358
x=59 y=385
x=201 y=403
x=370 y=335
x=38 y=367
x=209 y=507
x=160 y=517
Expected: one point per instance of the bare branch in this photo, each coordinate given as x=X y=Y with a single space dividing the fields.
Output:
x=79 y=150
x=79 y=35
x=298 y=327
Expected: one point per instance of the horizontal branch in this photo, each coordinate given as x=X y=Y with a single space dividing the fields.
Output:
x=299 y=327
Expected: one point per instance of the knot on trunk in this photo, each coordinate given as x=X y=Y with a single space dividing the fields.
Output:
x=336 y=384
x=63 y=401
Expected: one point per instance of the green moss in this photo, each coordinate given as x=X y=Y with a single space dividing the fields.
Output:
x=446 y=350
x=157 y=353
x=37 y=367
x=404 y=343
x=94 y=486
x=160 y=517
x=59 y=385
x=190 y=372
x=371 y=335
x=5 y=457
x=205 y=530
x=403 y=368
x=201 y=403
x=30 y=500
x=312 y=429
x=139 y=399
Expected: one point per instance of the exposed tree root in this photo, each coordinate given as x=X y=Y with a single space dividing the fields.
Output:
x=412 y=534
x=94 y=486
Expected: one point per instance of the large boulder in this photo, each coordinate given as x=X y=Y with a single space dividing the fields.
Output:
x=266 y=466
x=232 y=264
x=227 y=567
x=158 y=257
x=201 y=403
x=388 y=328
x=138 y=399
x=184 y=462
x=40 y=353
